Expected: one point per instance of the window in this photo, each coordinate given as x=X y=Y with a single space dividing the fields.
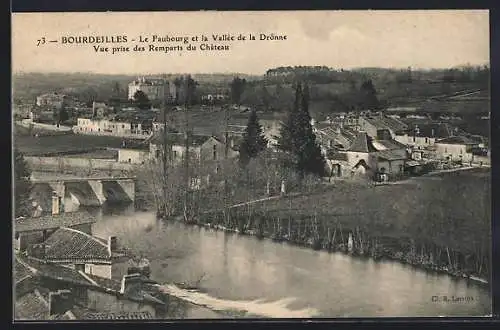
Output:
x=123 y=126
x=445 y=150
x=214 y=152
x=175 y=154
x=426 y=140
x=414 y=138
x=400 y=168
x=80 y=267
x=130 y=160
x=157 y=153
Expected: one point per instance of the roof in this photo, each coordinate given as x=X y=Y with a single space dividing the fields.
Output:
x=387 y=145
x=179 y=139
x=392 y=154
x=433 y=130
x=53 y=271
x=68 y=219
x=362 y=143
x=31 y=306
x=21 y=272
x=85 y=314
x=457 y=140
x=386 y=123
x=67 y=244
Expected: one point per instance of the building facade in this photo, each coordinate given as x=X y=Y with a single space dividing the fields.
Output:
x=155 y=89
x=109 y=127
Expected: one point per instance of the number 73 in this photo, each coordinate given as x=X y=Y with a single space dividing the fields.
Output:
x=40 y=41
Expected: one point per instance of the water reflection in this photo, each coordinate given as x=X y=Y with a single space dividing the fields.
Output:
x=234 y=268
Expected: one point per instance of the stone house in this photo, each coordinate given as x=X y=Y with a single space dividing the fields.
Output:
x=366 y=157
x=69 y=294
x=372 y=125
x=424 y=135
x=456 y=148
x=79 y=250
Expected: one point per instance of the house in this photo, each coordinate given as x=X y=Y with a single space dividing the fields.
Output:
x=100 y=109
x=131 y=127
x=51 y=100
x=78 y=250
x=372 y=125
x=134 y=155
x=424 y=135
x=366 y=157
x=202 y=147
x=456 y=148
x=154 y=88
x=62 y=293
x=35 y=230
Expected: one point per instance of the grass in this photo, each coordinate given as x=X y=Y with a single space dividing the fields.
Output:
x=452 y=211
x=31 y=146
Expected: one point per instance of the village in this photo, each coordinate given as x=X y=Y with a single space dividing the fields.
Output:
x=64 y=272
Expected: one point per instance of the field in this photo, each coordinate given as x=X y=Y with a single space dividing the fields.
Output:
x=452 y=211
x=34 y=146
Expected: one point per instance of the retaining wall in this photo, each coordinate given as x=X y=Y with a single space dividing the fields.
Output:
x=66 y=163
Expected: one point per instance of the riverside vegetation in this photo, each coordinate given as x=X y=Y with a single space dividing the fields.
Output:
x=439 y=223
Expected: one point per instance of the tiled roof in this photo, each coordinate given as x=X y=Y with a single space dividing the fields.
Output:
x=362 y=143
x=438 y=131
x=31 y=306
x=114 y=316
x=387 y=123
x=457 y=140
x=67 y=219
x=67 y=243
x=56 y=272
x=392 y=154
x=388 y=145
x=21 y=272
x=179 y=139
x=105 y=282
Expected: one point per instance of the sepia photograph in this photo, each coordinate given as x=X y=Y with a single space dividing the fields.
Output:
x=251 y=165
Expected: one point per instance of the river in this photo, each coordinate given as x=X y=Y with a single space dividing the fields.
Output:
x=271 y=279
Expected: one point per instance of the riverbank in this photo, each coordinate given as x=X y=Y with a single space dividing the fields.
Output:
x=378 y=253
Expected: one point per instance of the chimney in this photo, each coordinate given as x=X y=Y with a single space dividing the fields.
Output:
x=111 y=244
x=55 y=203
x=432 y=132
x=130 y=281
x=60 y=302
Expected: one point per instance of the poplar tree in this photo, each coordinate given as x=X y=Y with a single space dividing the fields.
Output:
x=298 y=140
x=22 y=185
x=253 y=139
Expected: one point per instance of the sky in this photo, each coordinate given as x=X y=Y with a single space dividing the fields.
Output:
x=338 y=39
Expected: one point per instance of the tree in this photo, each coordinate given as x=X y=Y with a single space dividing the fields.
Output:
x=22 y=185
x=141 y=100
x=368 y=96
x=310 y=160
x=237 y=88
x=253 y=140
x=189 y=86
x=298 y=140
x=63 y=114
x=265 y=98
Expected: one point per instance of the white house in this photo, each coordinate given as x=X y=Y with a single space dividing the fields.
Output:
x=456 y=148
x=154 y=88
x=368 y=157
x=424 y=135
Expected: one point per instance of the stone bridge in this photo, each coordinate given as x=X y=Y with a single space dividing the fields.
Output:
x=94 y=191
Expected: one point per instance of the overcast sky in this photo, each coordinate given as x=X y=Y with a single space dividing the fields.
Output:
x=338 y=39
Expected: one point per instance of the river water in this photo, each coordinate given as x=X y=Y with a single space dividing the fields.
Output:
x=271 y=279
